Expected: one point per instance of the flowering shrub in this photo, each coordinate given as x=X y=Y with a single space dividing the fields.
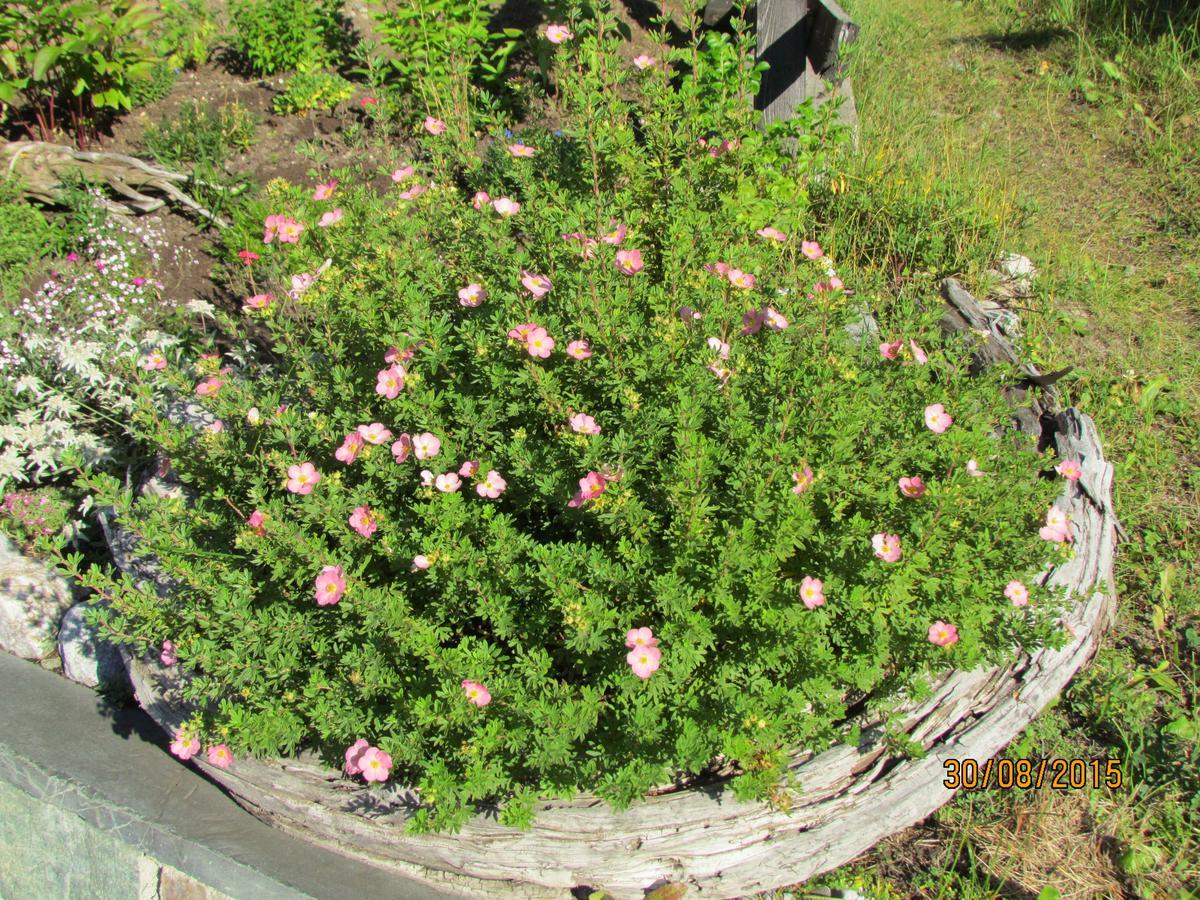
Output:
x=570 y=469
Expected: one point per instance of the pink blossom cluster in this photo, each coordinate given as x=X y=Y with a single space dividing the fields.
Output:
x=644 y=656
x=186 y=745
x=287 y=229
x=536 y=340
x=369 y=762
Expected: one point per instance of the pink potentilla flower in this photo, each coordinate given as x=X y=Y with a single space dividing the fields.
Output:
x=402 y=447
x=492 y=486
x=330 y=585
x=248 y=256
x=476 y=693
x=740 y=279
x=912 y=487
x=719 y=347
x=836 y=284
x=185 y=746
x=803 y=480
x=521 y=150
x=539 y=343
x=303 y=478
x=687 y=314
x=480 y=199
x=538 y=285
x=774 y=320
x=592 y=485
x=942 y=634
x=973 y=469
x=420 y=563
x=375 y=433
x=887 y=546
x=363 y=521
x=426 y=478
x=812 y=592
x=890 y=349
x=390 y=382
x=811 y=249
x=100 y=265
x=271 y=226
x=72 y=256
x=521 y=332
x=139 y=281
x=752 y=321
x=325 y=190
x=167 y=657
x=629 y=262
x=615 y=236
x=644 y=661
x=434 y=126
x=773 y=234
x=215 y=427
x=917 y=353
x=154 y=360
x=300 y=284
x=1069 y=469
x=330 y=218
x=640 y=637
x=391 y=355
x=1017 y=593
x=256 y=521
x=721 y=372
x=584 y=424
x=506 y=207
x=469 y=468
x=579 y=350
x=209 y=386
x=936 y=418
x=413 y=192
x=426 y=446
x=644 y=62
x=351 y=447
x=374 y=765
x=720 y=269
x=403 y=173
x=556 y=34
x=472 y=295
x=354 y=754
x=258 y=302
x=290 y=231
x=1057 y=527
x=220 y=756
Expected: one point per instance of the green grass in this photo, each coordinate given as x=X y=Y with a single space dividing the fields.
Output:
x=1066 y=130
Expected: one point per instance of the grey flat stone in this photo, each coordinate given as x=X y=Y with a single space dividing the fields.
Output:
x=86 y=657
x=33 y=599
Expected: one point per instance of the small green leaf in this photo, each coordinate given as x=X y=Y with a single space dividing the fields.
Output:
x=46 y=57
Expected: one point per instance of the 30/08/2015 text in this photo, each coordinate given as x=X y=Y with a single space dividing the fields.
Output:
x=1023 y=774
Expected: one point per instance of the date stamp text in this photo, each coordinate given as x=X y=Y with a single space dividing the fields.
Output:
x=1024 y=774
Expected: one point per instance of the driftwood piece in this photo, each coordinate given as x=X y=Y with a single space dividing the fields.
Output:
x=718 y=846
x=39 y=169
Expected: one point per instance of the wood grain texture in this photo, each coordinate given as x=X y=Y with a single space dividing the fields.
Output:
x=852 y=796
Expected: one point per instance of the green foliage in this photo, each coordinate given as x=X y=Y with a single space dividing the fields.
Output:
x=201 y=133
x=25 y=237
x=157 y=85
x=187 y=32
x=306 y=91
x=697 y=534
x=282 y=35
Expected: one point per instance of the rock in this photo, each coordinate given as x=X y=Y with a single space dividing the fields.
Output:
x=33 y=599
x=87 y=657
x=1019 y=271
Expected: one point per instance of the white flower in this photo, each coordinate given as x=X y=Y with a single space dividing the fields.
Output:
x=199 y=307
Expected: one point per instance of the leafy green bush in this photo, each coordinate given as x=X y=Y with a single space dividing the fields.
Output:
x=201 y=133
x=281 y=35
x=25 y=237
x=307 y=91
x=565 y=470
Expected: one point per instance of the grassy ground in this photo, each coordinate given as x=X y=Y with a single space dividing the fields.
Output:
x=1070 y=136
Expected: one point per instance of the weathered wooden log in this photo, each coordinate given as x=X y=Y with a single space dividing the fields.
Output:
x=718 y=846
x=40 y=170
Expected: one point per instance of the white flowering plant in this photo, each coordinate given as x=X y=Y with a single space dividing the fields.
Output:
x=577 y=466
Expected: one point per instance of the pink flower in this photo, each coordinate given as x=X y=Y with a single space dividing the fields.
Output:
x=472 y=295
x=720 y=269
x=354 y=754
x=887 y=546
x=773 y=234
x=1069 y=469
x=912 y=487
x=367 y=101
x=403 y=173
x=325 y=190
x=752 y=321
x=812 y=592
x=480 y=199
x=476 y=693
x=469 y=468
x=248 y=256
x=300 y=284
x=330 y=585
x=836 y=284
x=290 y=231
x=521 y=332
x=629 y=262
x=258 y=302
x=402 y=447
x=448 y=483
x=579 y=350
x=426 y=446
x=256 y=520
x=538 y=285
x=330 y=218
x=506 y=207
x=640 y=637
x=644 y=62
x=591 y=486
x=615 y=236
x=167 y=656
x=390 y=381
x=215 y=427
x=154 y=360
x=209 y=386
x=72 y=256
x=556 y=34
x=220 y=756
x=139 y=281
x=426 y=478
x=936 y=418
x=775 y=321
x=539 y=343
x=351 y=446
x=803 y=480
x=271 y=227
x=584 y=424
x=362 y=521
x=644 y=661
x=492 y=486
x=942 y=634
x=302 y=478
x=434 y=126
x=917 y=353
x=375 y=433
x=413 y=192
x=1017 y=593
x=973 y=469
x=890 y=350
x=1057 y=527
x=721 y=372
x=185 y=746
x=740 y=279
x=374 y=764
x=521 y=150
x=811 y=249
x=719 y=347
x=396 y=355
x=420 y=562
